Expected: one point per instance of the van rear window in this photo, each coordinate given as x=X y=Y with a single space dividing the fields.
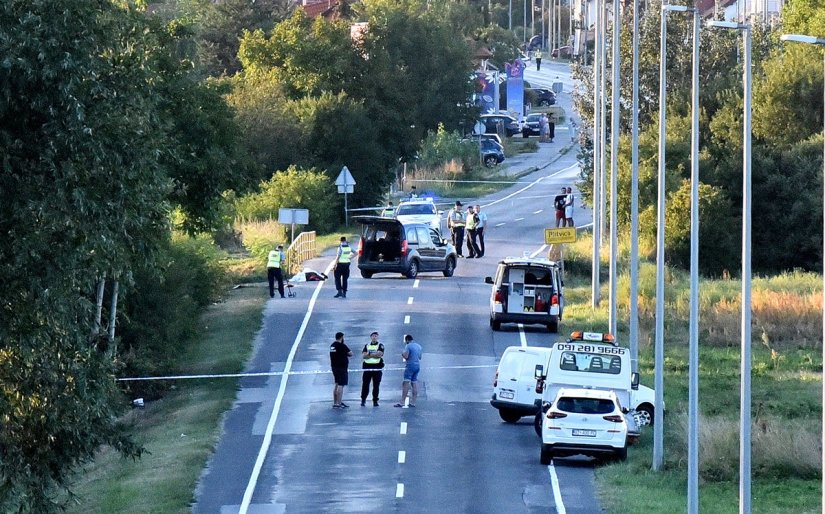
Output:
x=591 y=363
x=585 y=405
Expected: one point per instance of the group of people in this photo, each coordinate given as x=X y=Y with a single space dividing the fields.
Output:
x=547 y=128
x=564 y=207
x=467 y=226
x=372 y=357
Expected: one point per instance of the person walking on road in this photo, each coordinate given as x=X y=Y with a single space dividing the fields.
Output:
x=339 y=354
x=342 y=260
x=470 y=224
x=412 y=355
x=373 y=357
x=568 y=208
x=559 y=202
x=537 y=55
x=273 y=270
x=482 y=224
x=455 y=222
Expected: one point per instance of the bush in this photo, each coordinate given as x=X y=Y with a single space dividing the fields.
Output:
x=259 y=237
x=441 y=147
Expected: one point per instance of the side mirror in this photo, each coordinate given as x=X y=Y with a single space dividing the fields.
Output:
x=634 y=381
x=488 y=280
x=540 y=386
x=624 y=410
x=539 y=373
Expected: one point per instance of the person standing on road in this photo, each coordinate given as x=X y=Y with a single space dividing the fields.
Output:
x=339 y=354
x=482 y=224
x=342 y=260
x=543 y=128
x=568 y=208
x=551 y=128
x=455 y=222
x=470 y=224
x=412 y=355
x=537 y=55
x=559 y=202
x=373 y=356
x=273 y=270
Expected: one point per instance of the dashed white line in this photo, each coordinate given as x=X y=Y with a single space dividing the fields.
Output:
x=402 y=456
x=415 y=284
x=403 y=428
x=410 y=300
x=406 y=320
x=521 y=335
x=500 y=224
x=554 y=479
x=518 y=219
x=399 y=490
x=538 y=211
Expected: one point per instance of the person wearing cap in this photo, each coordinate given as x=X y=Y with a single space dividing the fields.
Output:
x=273 y=270
x=470 y=226
x=373 y=357
x=342 y=259
x=456 y=222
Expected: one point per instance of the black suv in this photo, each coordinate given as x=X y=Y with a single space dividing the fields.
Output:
x=544 y=97
x=388 y=245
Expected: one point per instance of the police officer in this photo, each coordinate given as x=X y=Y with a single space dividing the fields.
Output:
x=273 y=270
x=471 y=224
x=372 y=354
x=342 y=260
x=455 y=222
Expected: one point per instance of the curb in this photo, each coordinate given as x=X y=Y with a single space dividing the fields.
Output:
x=531 y=169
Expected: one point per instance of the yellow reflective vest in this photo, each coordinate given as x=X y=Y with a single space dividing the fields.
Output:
x=372 y=361
x=344 y=254
x=275 y=259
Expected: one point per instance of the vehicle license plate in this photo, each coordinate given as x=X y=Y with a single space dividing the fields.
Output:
x=584 y=433
x=508 y=395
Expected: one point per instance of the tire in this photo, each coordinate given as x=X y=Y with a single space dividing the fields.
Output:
x=525 y=133
x=546 y=454
x=495 y=324
x=644 y=413
x=412 y=272
x=621 y=454
x=490 y=161
x=366 y=274
x=537 y=423
x=553 y=327
x=450 y=269
x=509 y=416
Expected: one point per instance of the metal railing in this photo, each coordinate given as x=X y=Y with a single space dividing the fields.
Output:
x=301 y=249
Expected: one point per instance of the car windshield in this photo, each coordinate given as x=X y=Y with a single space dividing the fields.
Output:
x=533 y=117
x=591 y=363
x=585 y=405
x=414 y=209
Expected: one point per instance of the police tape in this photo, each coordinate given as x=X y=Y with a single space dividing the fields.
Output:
x=290 y=373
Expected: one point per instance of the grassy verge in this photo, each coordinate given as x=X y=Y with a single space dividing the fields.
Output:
x=785 y=382
x=179 y=432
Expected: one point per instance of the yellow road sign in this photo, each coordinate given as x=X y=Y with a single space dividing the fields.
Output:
x=560 y=235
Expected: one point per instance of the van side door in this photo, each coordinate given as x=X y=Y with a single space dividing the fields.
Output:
x=558 y=285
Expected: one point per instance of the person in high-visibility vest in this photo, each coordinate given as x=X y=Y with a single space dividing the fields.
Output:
x=455 y=222
x=373 y=356
x=273 y=270
x=342 y=259
x=472 y=244
x=537 y=56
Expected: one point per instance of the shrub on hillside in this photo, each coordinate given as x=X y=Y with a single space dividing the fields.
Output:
x=442 y=146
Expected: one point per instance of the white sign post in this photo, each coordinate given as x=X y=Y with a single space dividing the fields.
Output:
x=287 y=216
x=346 y=184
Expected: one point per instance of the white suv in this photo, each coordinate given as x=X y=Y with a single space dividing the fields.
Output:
x=584 y=421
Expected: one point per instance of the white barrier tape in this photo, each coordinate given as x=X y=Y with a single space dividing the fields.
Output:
x=280 y=373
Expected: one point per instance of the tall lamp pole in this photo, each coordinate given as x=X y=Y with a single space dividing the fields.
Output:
x=634 y=202
x=811 y=40
x=614 y=168
x=597 y=168
x=745 y=384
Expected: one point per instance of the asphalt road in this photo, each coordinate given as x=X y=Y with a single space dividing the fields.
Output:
x=287 y=450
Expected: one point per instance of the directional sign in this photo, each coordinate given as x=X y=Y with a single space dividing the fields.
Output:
x=345 y=179
x=560 y=235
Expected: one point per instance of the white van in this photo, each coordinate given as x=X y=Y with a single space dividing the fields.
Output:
x=514 y=387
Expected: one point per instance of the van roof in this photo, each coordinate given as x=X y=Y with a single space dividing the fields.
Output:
x=529 y=261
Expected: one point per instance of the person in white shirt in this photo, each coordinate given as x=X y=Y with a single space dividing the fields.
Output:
x=482 y=224
x=568 y=208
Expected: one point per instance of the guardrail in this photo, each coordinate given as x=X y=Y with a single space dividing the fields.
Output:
x=301 y=249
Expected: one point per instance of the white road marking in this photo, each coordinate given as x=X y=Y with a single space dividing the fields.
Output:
x=270 y=427
x=402 y=456
x=406 y=320
x=403 y=428
x=554 y=479
x=538 y=251
x=500 y=224
x=538 y=211
x=525 y=188
x=399 y=490
x=519 y=219
x=409 y=300
x=415 y=284
x=521 y=335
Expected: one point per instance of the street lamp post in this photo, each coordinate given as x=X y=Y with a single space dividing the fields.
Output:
x=811 y=40
x=745 y=384
x=634 y=201
x=614 y=170
x=597 y=130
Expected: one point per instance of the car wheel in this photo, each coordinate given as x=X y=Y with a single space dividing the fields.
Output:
x=537 y=422
x=509 y=416
x=495 y=324
x=525 y=133
x=450 y=268
x=553 y=326
x=413 y=271
x=366 y=274
x=546 y=454
x=490 y=161
x=621 y=454
x=644 y=415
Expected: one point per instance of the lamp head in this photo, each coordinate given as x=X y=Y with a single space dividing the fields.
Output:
x=676 y=8
x=800 y=38
x=726 y=25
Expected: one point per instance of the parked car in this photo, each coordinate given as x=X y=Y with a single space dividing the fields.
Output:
x=492 y=153
x=532 y=125
x=535 y=42
x=391 y=246
x=543 y=97
x=562 y=51
x=509 y=125
x=419 y=210
x=529 y=291
x=476 y=137
x=514 y=386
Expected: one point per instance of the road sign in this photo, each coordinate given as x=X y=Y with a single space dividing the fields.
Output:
x=345 y=179
x=478 y=128
x=560 y=235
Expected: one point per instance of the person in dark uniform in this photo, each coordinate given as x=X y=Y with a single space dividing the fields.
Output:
x=273 y=270
x=455 y=222
x=373 y=355
x=339 y=354
x=342 y=260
